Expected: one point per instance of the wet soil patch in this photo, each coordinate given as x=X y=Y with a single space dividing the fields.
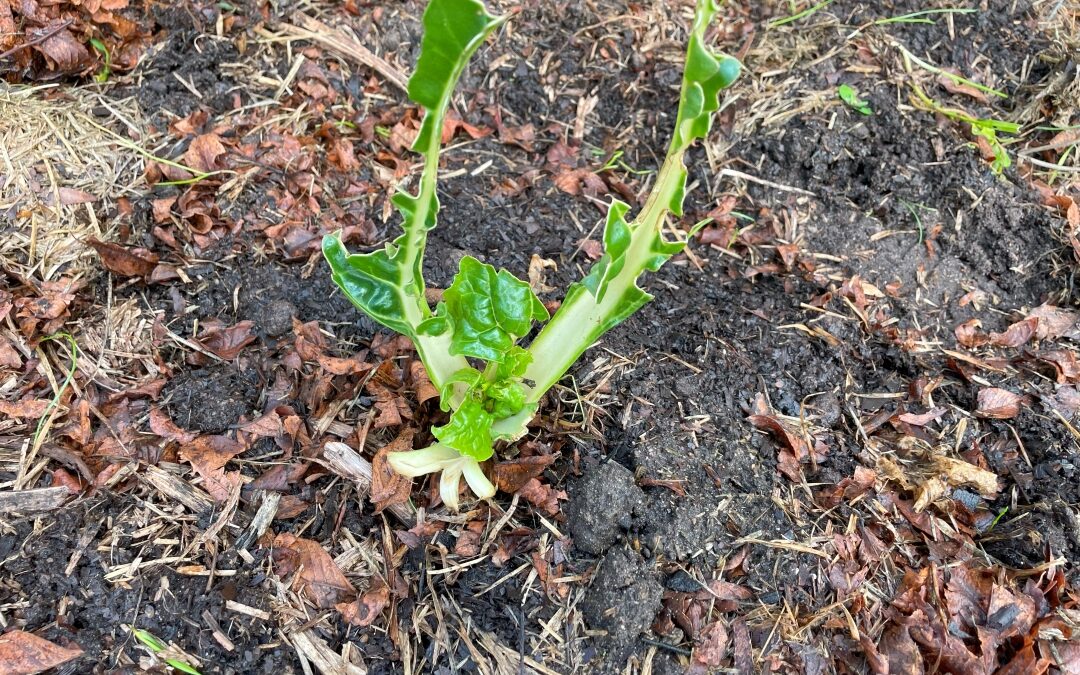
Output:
x=92 y=610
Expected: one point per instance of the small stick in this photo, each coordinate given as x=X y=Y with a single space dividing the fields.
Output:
x=345 y=44
x=33 y=501
x=768 y=183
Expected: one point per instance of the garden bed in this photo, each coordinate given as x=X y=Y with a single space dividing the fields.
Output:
x=837 y=438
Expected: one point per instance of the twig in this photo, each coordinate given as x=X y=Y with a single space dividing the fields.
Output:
x=768 y=183
x=36 y=41
x=311 y=28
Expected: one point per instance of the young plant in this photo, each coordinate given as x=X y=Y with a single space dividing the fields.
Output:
x=851 y=97
x=491 y=385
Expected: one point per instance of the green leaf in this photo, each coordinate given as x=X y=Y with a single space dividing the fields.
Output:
x=469 y=430
x=489 y=310
x=707 y=73
x=148 y=639
x=453 y=29
x=505 y=398
x=514 y=363
x=100 y=48
x=851 y=97
x=372 y=281
x=617 y=238
x=470 y=377
x=610 y=292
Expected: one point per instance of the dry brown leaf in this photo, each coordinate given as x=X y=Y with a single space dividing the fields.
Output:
x=1064 y=362
x=710 y=648
x=67 y=54
x=542 y=496
x=162 y=209
x=163 y=426
x=9 y=356
x=7 y=27
x=917 y=420
x=512 y=475
x=25 y=409
x=421 y=384
x=997 y=404
x=969 y=335
x=71 y=196
x=227 y=343
x=468 y=541
x=791 y=440
x=204 y=152
x=901 y=651
x=208 y=455
x=675 y=485
x=364 y=610
x=1016 y=334
x=954 y=87
x=126 y=262
x=958 y=473
x=577 y=181
x=788 y=254
x=1053 y=321
x=387 y=486
x=512 y=543
x=266 y=426
x=23 y=653
x=419 y=534
x=319 y=577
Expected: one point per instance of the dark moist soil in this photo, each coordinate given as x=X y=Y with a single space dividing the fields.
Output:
x=168 y=605
x=183 y=72
x=700 y=352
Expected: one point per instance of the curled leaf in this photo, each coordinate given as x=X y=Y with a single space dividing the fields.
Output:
x=320 y=579
x=469 y=431
x=1016 y=334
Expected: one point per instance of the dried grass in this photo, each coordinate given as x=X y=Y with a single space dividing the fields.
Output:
x=57 y=152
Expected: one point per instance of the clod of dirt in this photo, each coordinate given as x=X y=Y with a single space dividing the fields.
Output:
x=623 y=600
x=277 y=317
x=602 y=506
x=210 y=400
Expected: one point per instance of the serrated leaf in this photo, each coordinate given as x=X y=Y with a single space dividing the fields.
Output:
x=707 y=73
x=453 y=29
x=468 y=431
x=617 y=238
x=489 y=310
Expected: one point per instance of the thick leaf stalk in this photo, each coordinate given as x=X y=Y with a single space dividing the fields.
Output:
x=610 y=292
x=388 y=284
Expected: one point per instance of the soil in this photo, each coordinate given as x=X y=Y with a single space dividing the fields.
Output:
x=97 y=611
x=667 y=481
